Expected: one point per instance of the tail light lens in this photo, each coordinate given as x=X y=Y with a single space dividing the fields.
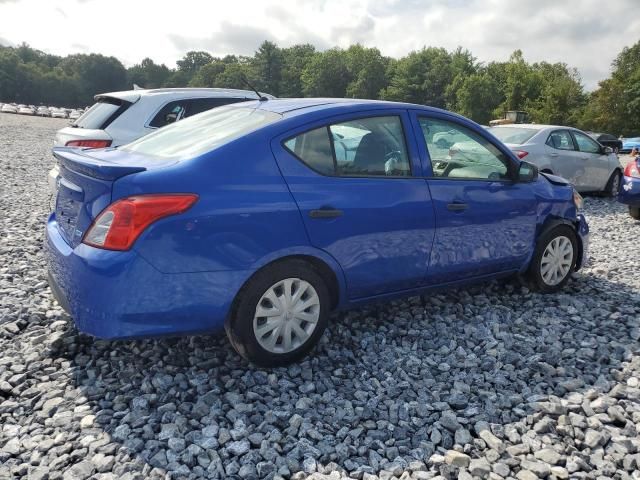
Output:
x=88 y=143
x=632 y=169
x=520 y=153
x=122 y=222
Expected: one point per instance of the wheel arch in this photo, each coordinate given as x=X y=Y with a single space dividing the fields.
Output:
x=324 y=265
x=553 y=222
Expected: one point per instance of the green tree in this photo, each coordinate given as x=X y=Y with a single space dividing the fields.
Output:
x=148 y=74
x=326 y=75
x=267 y=63
x=294 y=60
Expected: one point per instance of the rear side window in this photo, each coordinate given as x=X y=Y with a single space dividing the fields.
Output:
x=186 y=107
x=314 y=149
x=372 y=146
x=102 y=113
x=560 y=140
x=202 y=133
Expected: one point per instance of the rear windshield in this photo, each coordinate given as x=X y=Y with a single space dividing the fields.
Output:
x=513 y=135
x=202 y=133
x=101 y=114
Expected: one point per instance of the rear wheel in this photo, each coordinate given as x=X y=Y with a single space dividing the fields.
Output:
x=554 y=259
x=280 y=314
x=613 y=185
x=634 y=212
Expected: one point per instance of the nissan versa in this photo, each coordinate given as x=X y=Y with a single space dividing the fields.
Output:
x=262 y=217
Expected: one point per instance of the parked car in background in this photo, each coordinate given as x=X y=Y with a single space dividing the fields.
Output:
x=43 y=112
x=26 y=110
x=607 y=140
x=630 y=188
x=567 y=152
x=59 y=113
x=629 y=144
x=75 y=114
x=263 y=217
x=9 y=108
x=121 y=117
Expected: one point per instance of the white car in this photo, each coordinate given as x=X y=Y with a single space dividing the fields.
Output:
x=58 y=113
x=25 y=110
x=8 y=108
x=43 y=112
x=566 y=152
x=118 y=118
x=75 y=114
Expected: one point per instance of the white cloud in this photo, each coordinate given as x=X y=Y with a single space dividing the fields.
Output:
x=577 y=32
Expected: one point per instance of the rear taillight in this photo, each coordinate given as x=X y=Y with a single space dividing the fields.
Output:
x=122 y=222
x=520 y=153
x=632 y=169
x=88 y=143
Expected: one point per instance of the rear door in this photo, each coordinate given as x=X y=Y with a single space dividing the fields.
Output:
x=485 y=222
x=354 y=181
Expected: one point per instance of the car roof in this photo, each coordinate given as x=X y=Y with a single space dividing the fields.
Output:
x=134 y=95
x=307 y=105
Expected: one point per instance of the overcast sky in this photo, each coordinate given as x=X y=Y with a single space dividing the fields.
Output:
x=586 y=34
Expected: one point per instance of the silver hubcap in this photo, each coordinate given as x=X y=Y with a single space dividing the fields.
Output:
x=286 y=315
x=556 y=260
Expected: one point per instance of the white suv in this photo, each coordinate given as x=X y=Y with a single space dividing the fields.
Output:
x=118 y=118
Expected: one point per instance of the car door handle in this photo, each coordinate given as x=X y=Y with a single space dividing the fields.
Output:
x=457 y=207
x=553 y=154
x=325 y=213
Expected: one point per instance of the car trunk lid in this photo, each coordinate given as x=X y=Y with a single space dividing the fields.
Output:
x=85 y=185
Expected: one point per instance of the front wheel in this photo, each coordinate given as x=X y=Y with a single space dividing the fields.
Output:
x=280 y=314
x=554 y=259
x=634 y=212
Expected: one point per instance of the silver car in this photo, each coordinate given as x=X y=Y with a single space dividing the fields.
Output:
x=118 y=118
x=564 y=151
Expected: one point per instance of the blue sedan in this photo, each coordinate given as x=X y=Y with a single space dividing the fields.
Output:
x=263 y=217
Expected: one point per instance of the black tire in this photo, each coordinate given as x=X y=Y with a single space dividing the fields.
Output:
x=634 y=212
x=240 y=329
x=534 y=273
x=613 y=185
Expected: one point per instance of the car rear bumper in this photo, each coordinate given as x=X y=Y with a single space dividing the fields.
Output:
x=115 y=295
x=629 y=192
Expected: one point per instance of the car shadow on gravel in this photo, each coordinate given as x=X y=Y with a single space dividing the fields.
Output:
x=388 y=387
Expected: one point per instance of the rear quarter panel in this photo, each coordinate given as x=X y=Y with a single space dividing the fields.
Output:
x=244 y=217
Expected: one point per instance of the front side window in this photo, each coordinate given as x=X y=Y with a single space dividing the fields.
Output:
x=458 y=152
x=560 y=140
x=586 y=144
x=371 y=146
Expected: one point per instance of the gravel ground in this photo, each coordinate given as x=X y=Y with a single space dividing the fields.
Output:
x=491 y=382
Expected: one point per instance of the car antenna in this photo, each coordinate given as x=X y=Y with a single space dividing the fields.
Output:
x=261 y=97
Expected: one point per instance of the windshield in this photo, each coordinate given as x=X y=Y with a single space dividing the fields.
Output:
x=513 y=135
x=202 y=133
x=99 y=115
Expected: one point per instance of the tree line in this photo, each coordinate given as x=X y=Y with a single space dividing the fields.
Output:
x=550 y=92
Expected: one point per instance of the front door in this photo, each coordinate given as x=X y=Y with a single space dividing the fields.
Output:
x=485 y=222
x=353 y=182
x=565 y=159
x=595 y=161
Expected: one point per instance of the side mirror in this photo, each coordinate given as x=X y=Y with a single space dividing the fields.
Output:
x=607 y=150
x=527 y=172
